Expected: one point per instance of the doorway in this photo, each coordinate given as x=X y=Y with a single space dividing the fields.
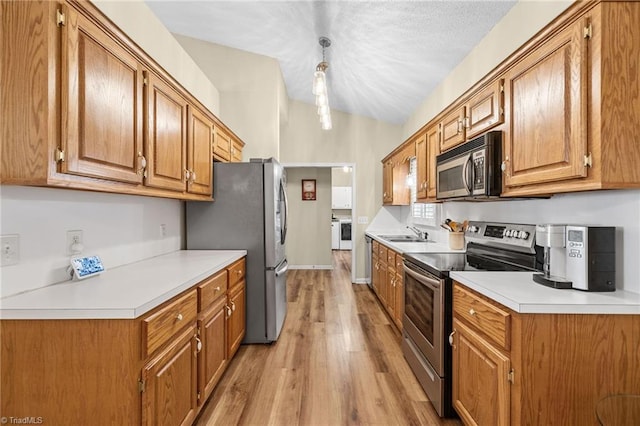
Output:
x=347 y=213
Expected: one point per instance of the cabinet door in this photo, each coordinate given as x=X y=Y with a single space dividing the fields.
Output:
x=433 y=149
x=485 y=109
x=399 y=300
x=169 y=396
x=387 y=182
x=375 y=272
x=391 y=291
x=546 y=139
x=453 y=131
x=101 y=100
x=481 y=390
x=383 y=280
x=199 y=145
x=236 y=150
x=422 y=167
x=222 y=145
x=236 y=319
x=213 y=357
x=167 y=138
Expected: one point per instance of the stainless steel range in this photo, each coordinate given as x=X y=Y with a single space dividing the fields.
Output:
x=428 y=297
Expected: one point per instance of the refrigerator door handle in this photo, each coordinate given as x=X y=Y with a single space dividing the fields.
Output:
x=283 y=232
x=282 y=268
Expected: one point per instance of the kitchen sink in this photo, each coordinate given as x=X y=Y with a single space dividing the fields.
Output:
x=402 y=238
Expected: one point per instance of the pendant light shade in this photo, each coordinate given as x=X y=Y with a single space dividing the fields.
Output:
x=319 y=88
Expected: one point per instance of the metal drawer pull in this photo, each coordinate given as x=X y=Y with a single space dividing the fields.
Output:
x=472 y=312
x=233 y=306
x=451 y=337
x=179 y=317
x=217 y=288
x=198 y=345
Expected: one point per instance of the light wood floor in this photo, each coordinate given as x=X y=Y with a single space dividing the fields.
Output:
x=338 y=361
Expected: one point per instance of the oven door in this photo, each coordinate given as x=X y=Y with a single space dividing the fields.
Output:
x=454 y=177
x=424 y=314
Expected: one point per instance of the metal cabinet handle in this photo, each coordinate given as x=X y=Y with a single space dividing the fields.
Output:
x=193 y=176
x=451 y=338
x=472 y=312
x=217 y=289
x=187 y=174
x=229 y=311
x=459 y=126
x=179 y=317
x=233 y=307
x=198 y=345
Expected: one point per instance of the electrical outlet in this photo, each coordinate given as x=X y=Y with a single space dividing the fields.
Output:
x=74 y=242
x=9 y=249
x=363 y=220
x=163 y=230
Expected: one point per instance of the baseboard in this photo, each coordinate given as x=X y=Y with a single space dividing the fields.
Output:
x=311 y=267
x=361 y=281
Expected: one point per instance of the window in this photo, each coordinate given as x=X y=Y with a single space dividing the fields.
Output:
x=422 y=213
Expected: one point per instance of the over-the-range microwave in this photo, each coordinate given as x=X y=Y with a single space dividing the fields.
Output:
x=471 y=170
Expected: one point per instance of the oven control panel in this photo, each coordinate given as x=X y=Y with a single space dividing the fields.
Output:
x=509 y=235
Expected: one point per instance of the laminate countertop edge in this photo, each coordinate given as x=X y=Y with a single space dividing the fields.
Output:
x=518 y=292
x=125 y=292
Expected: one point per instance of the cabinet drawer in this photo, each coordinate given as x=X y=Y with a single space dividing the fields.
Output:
x=211 y=288
x=487 y=318
x=382 y=252
x=391 y=258
x=158 y=327
x=237 y=271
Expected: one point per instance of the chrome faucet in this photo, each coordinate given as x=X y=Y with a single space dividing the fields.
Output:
x=423 y=235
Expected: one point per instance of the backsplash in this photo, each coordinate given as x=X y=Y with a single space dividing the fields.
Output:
x=120 y=229
x=600 y=208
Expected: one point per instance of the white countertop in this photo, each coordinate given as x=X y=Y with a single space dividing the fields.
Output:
x=411 y=247
x=125 y=292
x=518 y=291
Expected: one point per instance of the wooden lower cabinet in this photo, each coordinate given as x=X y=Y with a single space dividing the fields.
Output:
x=387 y=280
x=157 y=369
x=481 y=397
x=538 y=369
x=236 y=317
x=213 y=358
x=170 y=383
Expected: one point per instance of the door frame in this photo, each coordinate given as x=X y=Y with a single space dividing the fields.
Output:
x=353 y=204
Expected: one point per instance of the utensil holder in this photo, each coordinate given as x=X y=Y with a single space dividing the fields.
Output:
x=456 y=240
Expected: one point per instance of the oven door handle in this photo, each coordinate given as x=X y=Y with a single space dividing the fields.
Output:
x=433 y=283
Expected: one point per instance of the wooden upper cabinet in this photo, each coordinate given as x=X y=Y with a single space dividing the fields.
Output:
x=452 y=128
x=485 y=109
x=546 y=136
x=102 y=105
x=433 y=149
x=422 y=167
x=236 y=150
x=221 y=144
x=199 y=146
x=167 y=135
x=387 y=182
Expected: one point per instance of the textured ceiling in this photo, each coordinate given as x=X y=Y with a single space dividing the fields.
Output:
x=385 y=57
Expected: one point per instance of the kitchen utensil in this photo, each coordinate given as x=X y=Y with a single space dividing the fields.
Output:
x=447 y=227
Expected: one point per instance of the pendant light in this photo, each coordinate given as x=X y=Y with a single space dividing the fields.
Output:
x=320 y=87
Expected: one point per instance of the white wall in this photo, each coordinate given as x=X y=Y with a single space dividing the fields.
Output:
x=309 y=232
x=353 y=139
x=119 y=228
x=250 y=88
x=604 y=208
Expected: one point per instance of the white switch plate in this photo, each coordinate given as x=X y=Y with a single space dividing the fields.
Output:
x=163 y=230
x=363 y=220
x=9 y=249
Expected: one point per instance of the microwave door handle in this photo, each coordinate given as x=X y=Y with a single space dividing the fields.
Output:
x=465 y=175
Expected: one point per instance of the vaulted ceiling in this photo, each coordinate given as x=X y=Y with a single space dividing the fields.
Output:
x=385 y=57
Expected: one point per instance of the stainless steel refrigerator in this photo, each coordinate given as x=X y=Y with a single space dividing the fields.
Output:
x=249 y=212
